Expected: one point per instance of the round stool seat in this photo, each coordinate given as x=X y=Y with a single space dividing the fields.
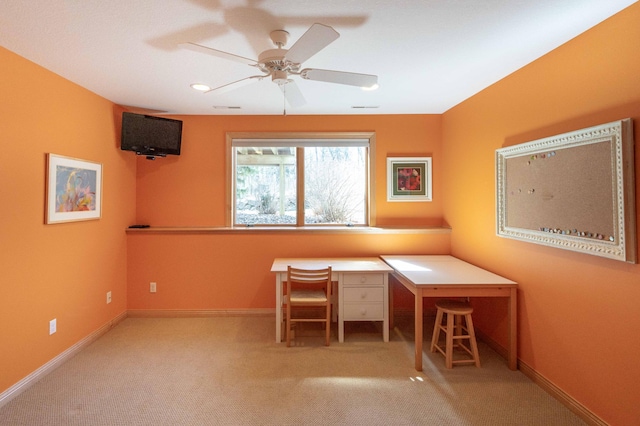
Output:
x=456 y=332
x=454 y=307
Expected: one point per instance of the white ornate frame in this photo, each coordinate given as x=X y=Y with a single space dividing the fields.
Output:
x=623 y=246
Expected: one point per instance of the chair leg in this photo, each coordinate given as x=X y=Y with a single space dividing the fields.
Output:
x=283 y=325
x=328 y=326
x=334 y=301
x=436 y=330
x=449 y=348
x=288 y=325
x=458 y=329
x=472 y=339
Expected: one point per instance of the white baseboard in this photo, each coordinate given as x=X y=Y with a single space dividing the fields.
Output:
x=197 y=313
x=580 y=410
x=6 y=396
x=54 y=363
x=548 y=386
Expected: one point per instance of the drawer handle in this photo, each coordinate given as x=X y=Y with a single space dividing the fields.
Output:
x=363 y=295
x=363 y=279
x=363 y=311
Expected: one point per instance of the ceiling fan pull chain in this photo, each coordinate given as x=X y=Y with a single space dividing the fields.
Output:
x=284 y=99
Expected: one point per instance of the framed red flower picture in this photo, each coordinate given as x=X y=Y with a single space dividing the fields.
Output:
x=409 y=179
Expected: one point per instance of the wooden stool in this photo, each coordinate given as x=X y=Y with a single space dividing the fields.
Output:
x=455 y=332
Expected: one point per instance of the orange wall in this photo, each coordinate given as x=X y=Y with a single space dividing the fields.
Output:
x=578 y=313
x=60 y=271
x=222 y=271
x=189 y=190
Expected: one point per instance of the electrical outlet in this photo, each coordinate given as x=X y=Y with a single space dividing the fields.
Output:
x=52 y=326
x=152 y=287
x=108 y=297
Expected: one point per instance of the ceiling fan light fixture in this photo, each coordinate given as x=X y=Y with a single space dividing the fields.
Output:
x=280 y=77
x=200 y=87
x=370 y=88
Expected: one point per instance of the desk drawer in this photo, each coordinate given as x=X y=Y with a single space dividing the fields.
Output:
x=368 y=279
x=363 y=311
x=364 y=294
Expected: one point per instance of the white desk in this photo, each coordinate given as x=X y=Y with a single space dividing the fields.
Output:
x=363 y=289
x=447 y=276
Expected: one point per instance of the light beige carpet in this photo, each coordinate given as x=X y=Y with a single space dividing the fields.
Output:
x=230 y=371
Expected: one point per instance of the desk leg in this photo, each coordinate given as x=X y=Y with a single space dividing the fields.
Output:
x=386 y=309
x=340 y=308
x=278 y=308
x=513 y=329
x=334 y=301
x=418 y=329
x=390 y=296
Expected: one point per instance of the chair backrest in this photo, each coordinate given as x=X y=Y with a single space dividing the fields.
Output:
x=310 y=278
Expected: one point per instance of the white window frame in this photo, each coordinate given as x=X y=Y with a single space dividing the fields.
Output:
x=300 y=139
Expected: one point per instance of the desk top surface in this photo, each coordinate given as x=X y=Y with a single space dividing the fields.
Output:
x=345 y=264
x=443 y=270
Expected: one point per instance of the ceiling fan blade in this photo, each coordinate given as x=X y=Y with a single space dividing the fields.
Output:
x=340 y=77
x=218 y=53
x=314 y=40
x=236 y=84
x=292 y=94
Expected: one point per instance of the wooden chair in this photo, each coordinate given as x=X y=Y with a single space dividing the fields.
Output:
x=308 y=288
x=455 y=332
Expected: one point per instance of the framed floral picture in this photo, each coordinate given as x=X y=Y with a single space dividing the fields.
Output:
x=74 y=189
x=409 y=179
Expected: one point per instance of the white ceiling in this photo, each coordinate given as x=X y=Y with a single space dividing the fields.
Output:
x=429 y=55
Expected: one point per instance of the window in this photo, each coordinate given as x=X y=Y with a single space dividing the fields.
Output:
x=300 y=179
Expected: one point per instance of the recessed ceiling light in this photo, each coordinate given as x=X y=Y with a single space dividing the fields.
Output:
x=374 y=87
x=200 y=87
x=225 y=107
x=365 y=106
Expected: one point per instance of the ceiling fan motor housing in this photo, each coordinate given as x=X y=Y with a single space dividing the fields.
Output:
x=273 y=60
x=279 y=37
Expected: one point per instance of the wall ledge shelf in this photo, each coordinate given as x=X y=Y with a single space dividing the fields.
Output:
x=372 y=230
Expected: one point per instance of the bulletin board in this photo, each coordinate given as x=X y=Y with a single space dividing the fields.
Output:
x=574 y=191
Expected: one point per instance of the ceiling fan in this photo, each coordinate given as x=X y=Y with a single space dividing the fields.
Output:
x=281 y=64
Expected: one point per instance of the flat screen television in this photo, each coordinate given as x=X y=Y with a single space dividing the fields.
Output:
x=150 y=136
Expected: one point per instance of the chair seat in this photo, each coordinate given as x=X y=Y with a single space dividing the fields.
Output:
x=308 y=296
x=454 y=307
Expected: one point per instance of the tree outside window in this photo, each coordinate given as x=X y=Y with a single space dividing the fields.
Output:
x=272 y=187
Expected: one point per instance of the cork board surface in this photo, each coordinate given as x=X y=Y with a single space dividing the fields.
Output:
x=569 y=190
x=574 y=191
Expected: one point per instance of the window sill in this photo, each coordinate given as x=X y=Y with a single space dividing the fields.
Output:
x=291 y=229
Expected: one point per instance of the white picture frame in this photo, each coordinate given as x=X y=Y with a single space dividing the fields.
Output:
x=73 y=189
x=409 y=179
